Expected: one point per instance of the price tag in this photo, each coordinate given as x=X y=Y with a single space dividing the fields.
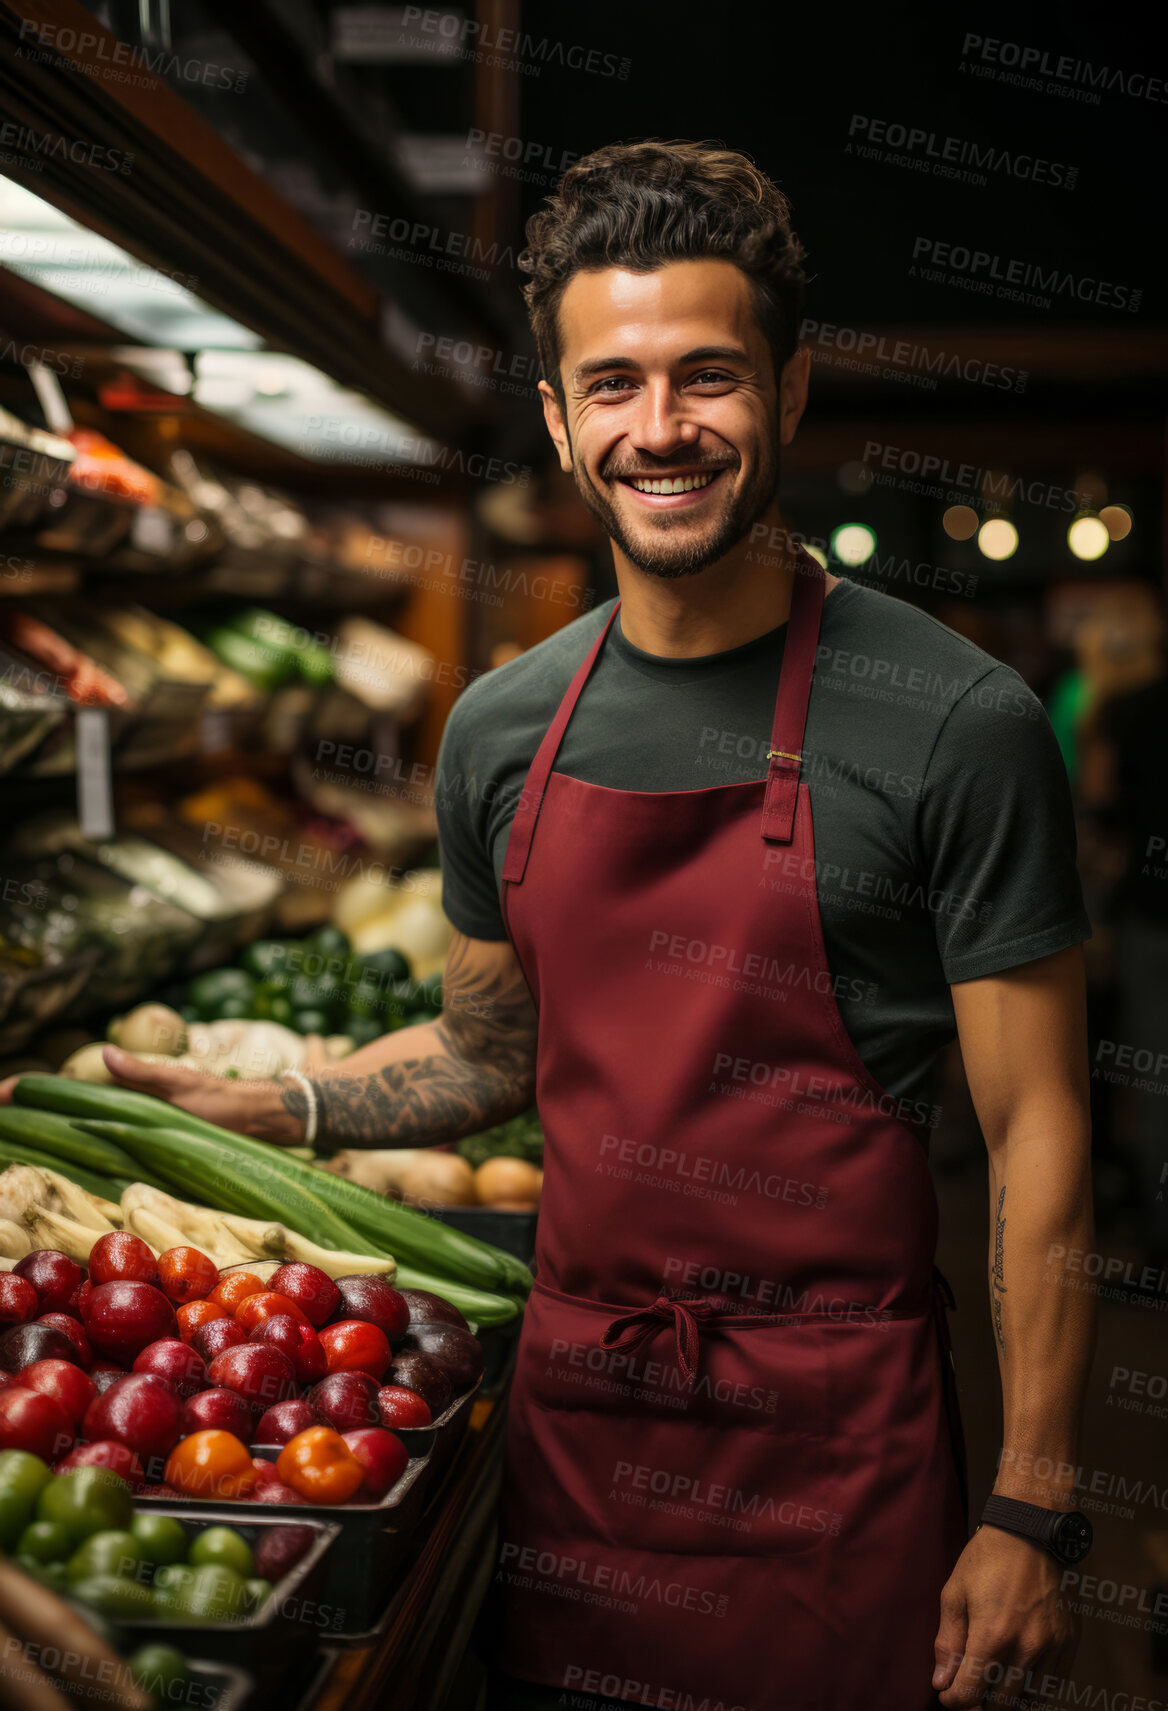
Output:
x=95 y=802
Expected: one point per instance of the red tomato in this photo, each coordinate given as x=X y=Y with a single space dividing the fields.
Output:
x=383 y=1457
x=19 y=1301
x=355 y=1346
x=64 y=1382
x=119 y=1257
x=299 y=1342
x=255 y=1308
x=30 y=1421
x=106 y=1453
x=186 y=1274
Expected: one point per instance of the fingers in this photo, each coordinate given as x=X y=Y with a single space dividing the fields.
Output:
x=949 y=1645
x=6 y=1087
x=161 y=1079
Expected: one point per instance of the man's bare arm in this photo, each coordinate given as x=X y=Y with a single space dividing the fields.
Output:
x=473 y=1067
x=1024 y=1043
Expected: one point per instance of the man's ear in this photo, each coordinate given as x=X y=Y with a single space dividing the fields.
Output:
x=554 y=418
x=793 y=384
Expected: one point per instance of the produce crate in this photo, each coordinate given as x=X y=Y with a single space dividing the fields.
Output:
x=370 y=1539
x=284 y=1629
x=219 y=1686
x=512 y=1231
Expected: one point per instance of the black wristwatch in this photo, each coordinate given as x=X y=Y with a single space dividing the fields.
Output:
x=1067 y=1535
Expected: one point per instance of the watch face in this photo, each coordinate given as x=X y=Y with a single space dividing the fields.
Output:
x=1072 y=1537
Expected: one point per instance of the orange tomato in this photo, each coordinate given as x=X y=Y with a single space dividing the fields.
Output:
x=319 y=1464
x=186 y=1274
x=234 y=1287
x=192 y=1314
x=255 y=1308
x=211 y=1464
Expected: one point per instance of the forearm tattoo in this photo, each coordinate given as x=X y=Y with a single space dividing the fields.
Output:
x=482 y=1071
x=998 y=1275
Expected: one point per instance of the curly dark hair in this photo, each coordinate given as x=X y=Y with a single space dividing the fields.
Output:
x=639 y=205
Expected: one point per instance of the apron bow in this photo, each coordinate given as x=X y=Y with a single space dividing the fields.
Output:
x=629 y=1330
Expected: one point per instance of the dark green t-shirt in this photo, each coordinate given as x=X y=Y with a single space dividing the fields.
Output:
x=944 y=837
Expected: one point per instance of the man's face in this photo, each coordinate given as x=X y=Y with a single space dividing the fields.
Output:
x=668 y=380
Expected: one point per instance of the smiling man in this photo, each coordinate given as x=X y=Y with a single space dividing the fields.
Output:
x=730 y=862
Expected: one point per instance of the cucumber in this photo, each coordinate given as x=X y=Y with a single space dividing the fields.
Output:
x=15 y=1152
x=54 y=1134
x=217 y=1173
x=382 y=1226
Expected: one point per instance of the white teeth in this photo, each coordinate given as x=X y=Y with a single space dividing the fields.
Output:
x=681 y=484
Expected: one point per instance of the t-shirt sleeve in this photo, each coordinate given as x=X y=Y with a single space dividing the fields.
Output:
x=997 y=834
x=469 y=894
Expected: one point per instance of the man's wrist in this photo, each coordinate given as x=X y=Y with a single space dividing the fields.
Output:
x=278 y=1112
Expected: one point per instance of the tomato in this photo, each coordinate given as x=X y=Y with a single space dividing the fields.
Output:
x=211 y=1464
x=192 y=1314
x=22 y=1478
x=64 y=1382
x=119 y=1257
x=320 y=1466
x=33 y=1422
x=109 y=1551
x=234 y=1287
x=299 y=1342
x=353 y=1345
x=19 y=1301
x=162 y=1539
x=75 y=1331
x=185 y=1274
x=267 y=1305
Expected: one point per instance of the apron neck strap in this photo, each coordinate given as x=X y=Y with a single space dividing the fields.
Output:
x=778 y=814
x=531 y=798
x=785 y=755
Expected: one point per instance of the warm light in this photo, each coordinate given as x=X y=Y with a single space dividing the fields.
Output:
x=817 y=553
x=998 y=538
x=1117 y=520
x=960 y=522
x=853 y=543
x=1087 y=537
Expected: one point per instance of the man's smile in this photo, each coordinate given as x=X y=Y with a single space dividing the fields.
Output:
x=672 y=492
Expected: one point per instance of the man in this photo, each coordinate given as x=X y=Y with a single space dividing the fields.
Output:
x=729 y=861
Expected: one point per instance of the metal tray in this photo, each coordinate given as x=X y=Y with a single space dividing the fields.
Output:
x=286 y=1625
x=356 y=1572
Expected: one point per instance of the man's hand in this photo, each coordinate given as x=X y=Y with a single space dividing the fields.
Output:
x=1000 y=1621
x=249 y=1107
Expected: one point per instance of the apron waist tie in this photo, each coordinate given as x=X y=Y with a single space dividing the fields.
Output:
x=629 y=1330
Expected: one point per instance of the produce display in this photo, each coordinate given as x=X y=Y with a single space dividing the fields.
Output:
x=160 y=1373
x=78 y=1531
x=267 y=1202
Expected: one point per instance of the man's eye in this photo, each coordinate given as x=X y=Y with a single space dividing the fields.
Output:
x=711 y=377
x=619 y=381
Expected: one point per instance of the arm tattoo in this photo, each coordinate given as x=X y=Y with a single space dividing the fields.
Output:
x=997 y=1279
x=481 y=1071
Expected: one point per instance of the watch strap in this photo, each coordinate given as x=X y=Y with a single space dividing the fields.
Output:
x=1014 y=1516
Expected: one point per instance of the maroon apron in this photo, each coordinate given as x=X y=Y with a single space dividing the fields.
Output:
x=733 y=1469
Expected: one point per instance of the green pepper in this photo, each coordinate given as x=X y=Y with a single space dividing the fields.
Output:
x=362 y=1030
x=208 y=992
x=330 y=941
x=271 y=1004
x=265 y=958
x=385 y=966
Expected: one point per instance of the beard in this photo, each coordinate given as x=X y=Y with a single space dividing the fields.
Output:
x=670 y=544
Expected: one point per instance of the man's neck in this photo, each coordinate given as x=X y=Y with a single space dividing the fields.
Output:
x=724 y=606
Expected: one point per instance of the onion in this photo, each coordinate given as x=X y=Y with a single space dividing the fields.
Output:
x=150 y=1028
x=508 y=1180
x=87 y=1064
